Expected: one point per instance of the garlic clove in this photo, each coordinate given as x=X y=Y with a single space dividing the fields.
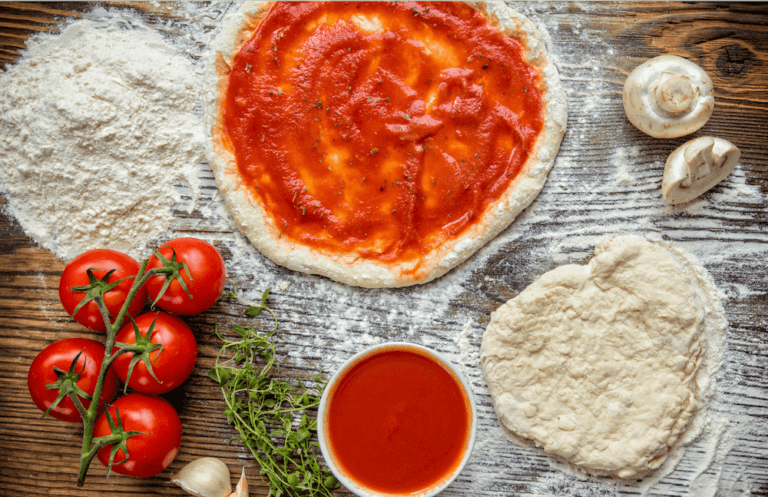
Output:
x=668 y=96
x=204 y=477
x=696 y=166
x=242 y=487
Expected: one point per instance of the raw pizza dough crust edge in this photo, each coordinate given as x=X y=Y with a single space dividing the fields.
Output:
x=259 y=228
x=689 y=425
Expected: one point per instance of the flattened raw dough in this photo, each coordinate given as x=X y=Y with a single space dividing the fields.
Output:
x=597 y=364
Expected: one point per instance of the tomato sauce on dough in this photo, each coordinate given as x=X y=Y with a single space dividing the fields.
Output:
x=398 y=422
x=382 y=129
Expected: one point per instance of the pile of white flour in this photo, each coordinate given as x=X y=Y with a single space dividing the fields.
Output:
x=96 y=126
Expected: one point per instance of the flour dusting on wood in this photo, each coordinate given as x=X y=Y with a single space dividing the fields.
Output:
x=606 y=182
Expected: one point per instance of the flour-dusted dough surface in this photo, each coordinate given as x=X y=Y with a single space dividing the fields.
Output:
x=598 y=364
x=257 y=225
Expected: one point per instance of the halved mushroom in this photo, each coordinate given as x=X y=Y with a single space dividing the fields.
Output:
x=696 y=166
x=668 y=96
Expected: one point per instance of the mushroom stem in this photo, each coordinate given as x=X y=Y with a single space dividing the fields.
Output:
x=675 y=94
x=700 y=158
x=696 y=166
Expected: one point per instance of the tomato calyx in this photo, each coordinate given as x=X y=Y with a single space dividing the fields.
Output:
x=67 y=385
x=172 y=271
x=141 y=350
x=95 y=289
x=118 y=440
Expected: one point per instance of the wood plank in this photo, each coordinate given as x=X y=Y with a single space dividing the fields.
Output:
x=321 y=323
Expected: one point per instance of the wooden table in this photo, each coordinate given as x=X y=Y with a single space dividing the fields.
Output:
x=596 y=45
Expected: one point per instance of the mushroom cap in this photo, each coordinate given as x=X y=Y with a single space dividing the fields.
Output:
x=668 y=96
x=696 y=166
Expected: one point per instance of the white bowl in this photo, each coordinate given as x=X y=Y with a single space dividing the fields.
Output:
x=357 y=488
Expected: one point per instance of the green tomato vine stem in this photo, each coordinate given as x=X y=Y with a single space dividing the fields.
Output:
x=78 y=404
x=89 y=448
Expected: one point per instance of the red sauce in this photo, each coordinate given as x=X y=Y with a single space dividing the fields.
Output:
x=382 y=129
x=398 y=422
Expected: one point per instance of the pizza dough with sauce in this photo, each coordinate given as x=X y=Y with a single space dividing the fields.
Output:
x=604 y=365
x=380 y=144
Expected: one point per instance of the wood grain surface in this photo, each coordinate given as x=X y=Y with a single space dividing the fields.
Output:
x=730 y=41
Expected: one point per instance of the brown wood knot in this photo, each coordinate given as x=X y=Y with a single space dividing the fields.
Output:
x=734 y=60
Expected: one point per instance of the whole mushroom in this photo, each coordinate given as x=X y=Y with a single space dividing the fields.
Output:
x=668 y=96
x=696 y=166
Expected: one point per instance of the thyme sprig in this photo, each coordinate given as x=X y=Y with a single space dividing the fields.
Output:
x=270 y=414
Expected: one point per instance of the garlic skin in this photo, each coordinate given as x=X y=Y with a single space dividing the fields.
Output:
x=668 y=96
x=205 y=477
x=242 y=487
x=696 y=166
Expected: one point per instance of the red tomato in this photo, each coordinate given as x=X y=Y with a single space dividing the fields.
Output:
x=148 y=454
x=76 y=274
x=205 y=280
x=61 y=354
x=171 y=366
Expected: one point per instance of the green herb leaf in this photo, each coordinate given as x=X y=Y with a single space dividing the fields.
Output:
x=214 y=375
x=252 y=312
x=331 y=482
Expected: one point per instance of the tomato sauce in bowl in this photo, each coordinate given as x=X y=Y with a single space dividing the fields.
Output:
x=396 y=419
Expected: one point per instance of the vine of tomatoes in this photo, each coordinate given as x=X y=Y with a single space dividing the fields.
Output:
x=152 y=353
